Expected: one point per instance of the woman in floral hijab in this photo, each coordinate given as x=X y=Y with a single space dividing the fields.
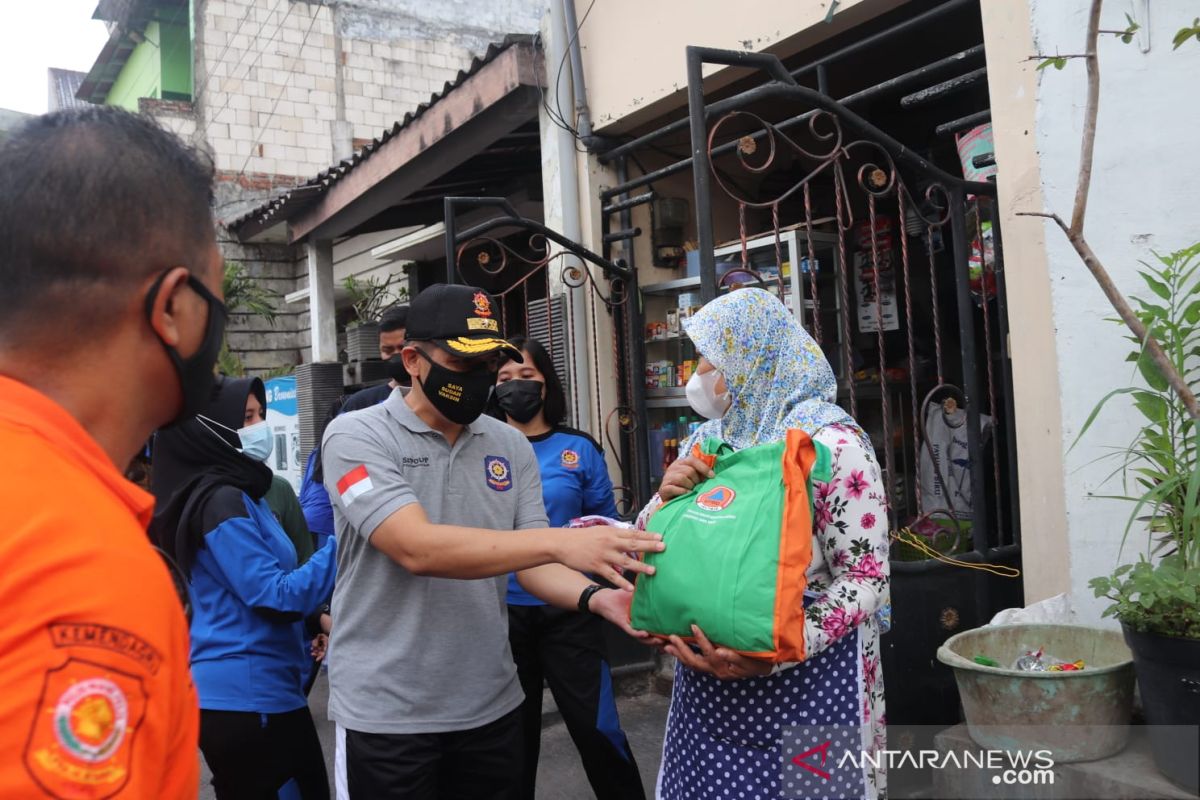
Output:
x=728 y=729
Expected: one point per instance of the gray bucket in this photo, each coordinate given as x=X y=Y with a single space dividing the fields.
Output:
x=1078 y=716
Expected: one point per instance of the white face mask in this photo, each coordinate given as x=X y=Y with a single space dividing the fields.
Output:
x=702 y=395
x=257 y=440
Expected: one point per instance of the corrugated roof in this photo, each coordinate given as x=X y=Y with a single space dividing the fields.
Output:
x=308 y=193
x=64 y=83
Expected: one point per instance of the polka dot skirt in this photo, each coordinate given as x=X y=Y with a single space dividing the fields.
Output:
x=724 y=738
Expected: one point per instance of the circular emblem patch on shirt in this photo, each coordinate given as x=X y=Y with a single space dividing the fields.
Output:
x=570 y=459
x=498 y=473
x=90 y=719
x=81 y=742
x=716 y=499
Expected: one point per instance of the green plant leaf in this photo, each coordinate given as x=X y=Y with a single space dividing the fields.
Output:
x=1183 y=34
x=1151 y=373
x=1058 y=62
x=1153 y=406
x=1096 y=412
x=1127 y=34
x=1156 y=286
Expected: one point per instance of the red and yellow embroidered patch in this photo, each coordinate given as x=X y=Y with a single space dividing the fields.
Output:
x=81 y=742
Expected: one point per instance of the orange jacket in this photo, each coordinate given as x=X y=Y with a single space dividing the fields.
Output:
x=96 y=699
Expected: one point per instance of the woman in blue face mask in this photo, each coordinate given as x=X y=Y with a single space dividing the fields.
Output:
x=249 y=596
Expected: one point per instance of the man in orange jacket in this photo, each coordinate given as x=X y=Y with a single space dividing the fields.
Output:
x=110 y=323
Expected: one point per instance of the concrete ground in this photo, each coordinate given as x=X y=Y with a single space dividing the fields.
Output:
x=560 y=775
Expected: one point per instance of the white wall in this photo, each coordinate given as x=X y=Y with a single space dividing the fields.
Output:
x=1142 y=198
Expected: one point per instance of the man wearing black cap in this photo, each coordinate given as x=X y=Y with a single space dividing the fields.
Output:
x=434 y=503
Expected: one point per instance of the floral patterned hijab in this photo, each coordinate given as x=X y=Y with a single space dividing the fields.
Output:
x=777 y=375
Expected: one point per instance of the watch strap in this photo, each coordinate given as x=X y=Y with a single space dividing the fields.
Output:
x=585 y=597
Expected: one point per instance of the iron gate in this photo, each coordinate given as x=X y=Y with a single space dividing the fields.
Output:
x=944 y=268
x=529 y=306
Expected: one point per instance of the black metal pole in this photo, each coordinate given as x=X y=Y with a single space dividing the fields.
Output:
x=970 y=387
x=635 y=359
x=962 y=123
x=701 y=175
x=448 y=211
x=636 y=200
x=1010 y=426
x=956 y=84
x=900 y=81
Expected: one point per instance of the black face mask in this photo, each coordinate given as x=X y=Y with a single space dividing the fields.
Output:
x=397 y=372
x=459 y=396
x=196 y=376
x=521 y=400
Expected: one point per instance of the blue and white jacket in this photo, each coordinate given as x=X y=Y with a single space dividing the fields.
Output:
x=249 y=600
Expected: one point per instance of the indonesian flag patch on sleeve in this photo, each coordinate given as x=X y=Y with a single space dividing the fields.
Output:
x=354 y=484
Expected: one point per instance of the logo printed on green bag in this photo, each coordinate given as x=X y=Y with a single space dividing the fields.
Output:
x=716 y=499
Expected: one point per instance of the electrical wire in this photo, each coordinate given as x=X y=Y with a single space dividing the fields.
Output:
x=228 y=42
x=557 y=117
x=257 y=57
x=263 y=128
x=563 y=62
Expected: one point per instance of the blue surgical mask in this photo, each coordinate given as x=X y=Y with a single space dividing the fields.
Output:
x=257 y=439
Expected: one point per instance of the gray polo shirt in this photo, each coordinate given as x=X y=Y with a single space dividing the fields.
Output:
x=411 y=654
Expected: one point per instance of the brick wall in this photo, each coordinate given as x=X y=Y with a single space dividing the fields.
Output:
x=265 y=85
x=266 y=105
x=267 y=75
x=177 y=116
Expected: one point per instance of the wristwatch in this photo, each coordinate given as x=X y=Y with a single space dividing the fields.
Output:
x=585 y=597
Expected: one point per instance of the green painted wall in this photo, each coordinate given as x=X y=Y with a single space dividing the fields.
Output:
x=177 y=59
x=160 y=64
x=142 y=74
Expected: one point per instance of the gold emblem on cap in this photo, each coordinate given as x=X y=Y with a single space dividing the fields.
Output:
x=483 y=304
x=475 y=346
x=477 y=324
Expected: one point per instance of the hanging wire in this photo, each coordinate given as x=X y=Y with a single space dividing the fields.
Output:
x=901 y=196
x=620 y=365
x=550 y=317
x=812 y=264
x=933 y=290
x=779 y=254
x=847 y=358
x=573 y=354
x=885 y=406
x=258 y=51
x=229 y=41
x=742 y=235
x=595 y=352
x=263 y=128
x=907 y=536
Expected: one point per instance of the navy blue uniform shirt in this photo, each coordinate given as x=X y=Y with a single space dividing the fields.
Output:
x=575 y=483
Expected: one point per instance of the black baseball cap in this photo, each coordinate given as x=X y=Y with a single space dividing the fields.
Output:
x=459 y=319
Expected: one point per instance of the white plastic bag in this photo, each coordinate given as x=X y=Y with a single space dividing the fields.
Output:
x=1053 y=611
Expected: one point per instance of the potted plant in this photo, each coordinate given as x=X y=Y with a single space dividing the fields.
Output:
x=369 y=297
x=1156 y=598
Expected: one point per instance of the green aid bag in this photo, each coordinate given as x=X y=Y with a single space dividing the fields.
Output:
x=739 y=546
